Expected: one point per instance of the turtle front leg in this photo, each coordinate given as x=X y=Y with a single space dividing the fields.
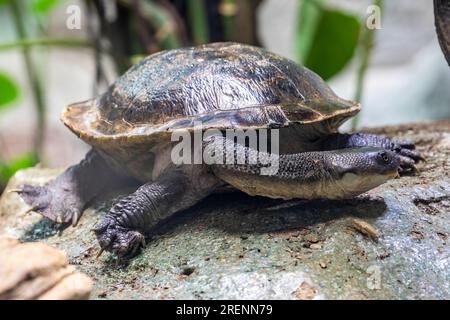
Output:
x=122 y=229
x=63 y=199
x=404 y=149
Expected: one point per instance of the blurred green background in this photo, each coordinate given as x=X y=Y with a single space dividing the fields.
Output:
x=55 y=52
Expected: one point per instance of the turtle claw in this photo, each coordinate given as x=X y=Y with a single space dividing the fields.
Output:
x=99 y=253
x=27 y=211
x=75 y=218
x=15 y=190
x=412 y=154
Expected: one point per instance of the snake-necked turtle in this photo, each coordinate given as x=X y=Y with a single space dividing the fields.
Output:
x=222 y=86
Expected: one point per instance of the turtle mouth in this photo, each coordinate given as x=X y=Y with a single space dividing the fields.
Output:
x=351 y=184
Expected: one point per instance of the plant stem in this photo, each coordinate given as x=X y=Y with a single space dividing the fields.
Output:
x=245 y=20
x=177 y=19
x=198 y=19
x=160 y=20
x=33 y=77
x=28 y=43
x=228 y=10
x=367 y=44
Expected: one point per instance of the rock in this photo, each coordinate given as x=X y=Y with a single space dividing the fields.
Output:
x=305 y=291
x=75 y=286
x=37 y=271
x=271 y=260
x=311 y=238
x=366 y=229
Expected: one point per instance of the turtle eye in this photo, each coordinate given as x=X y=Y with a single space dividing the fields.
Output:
x=384 y=156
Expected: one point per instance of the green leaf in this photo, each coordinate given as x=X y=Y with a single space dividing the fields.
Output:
x=7 y=170
x=44 y=6
x=136 y=58
x=3 y=2
x=8 y=90
x=308 y=19
x=332 y=42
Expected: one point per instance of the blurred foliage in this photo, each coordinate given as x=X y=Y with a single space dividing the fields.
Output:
x=21 y=12
x=44 y=6
x=326 y=40
x=133 y=28
x=197 y=19
x=17 y=8
x=367 y=43
x=7 y=169
x=9 y=90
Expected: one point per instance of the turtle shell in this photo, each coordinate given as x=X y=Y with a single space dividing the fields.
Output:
x=220 y=85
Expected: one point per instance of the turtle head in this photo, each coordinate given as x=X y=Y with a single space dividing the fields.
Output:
x=358 y=170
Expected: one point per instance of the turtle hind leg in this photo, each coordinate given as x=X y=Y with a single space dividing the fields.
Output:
x=404 y=149
x=63 y=199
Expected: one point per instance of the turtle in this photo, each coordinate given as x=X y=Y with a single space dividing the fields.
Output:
x=226 y=87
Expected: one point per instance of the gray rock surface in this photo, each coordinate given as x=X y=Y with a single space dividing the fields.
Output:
x=241 y=247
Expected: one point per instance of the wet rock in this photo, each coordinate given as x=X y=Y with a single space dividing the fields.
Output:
x=37 y=271
x=246 y=247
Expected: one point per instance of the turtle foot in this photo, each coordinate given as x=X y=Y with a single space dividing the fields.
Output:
x=407 y=154
x=124 y=242
x=53 y=202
